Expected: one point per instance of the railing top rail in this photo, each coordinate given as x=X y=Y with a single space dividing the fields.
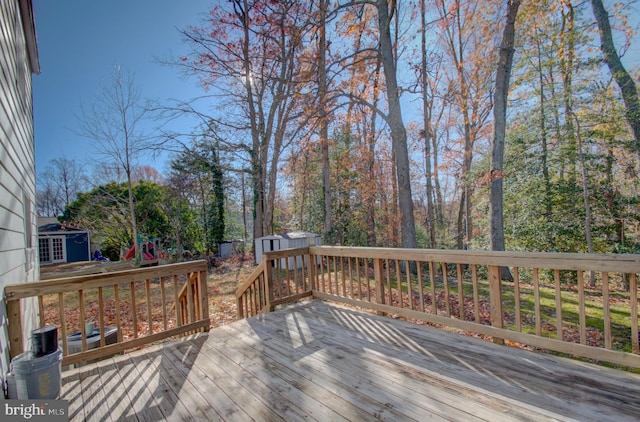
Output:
x=284 y=253
x=249 y=281
x=69 y=284
x=622 y=263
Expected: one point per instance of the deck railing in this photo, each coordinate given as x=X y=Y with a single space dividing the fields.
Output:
x=580 y=304
x=282 y=276
x=143 y=305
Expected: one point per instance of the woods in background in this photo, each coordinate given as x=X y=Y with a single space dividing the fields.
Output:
x=373 y=123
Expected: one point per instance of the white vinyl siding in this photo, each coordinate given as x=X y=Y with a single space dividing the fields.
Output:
x=18 y=231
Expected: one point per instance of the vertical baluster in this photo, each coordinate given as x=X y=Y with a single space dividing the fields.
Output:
x=333 y=278
x=359 y=280
x=116 y=298
x=434 y=296
x=351 y=278
x=536 y=299
x=41 y=310
x=101 y=316
x=399 y=283
x=460 y=291
x=420 y=281
x=559 y=324
x=275 y=269
x=606 y=311
x=190 y=305
x=177 y=304
x=63 y=324
x=83 y=333
x=633 y=296
x=323 y=260
x=295 y=274
x=287 y=275
x=409 y=290
x=134 y=316
x=367 y=279
x=581 y=305
x=344 y=277
x=445 y=282
x=163 y=298
x=516 y=292
x=147 y=288
x=389 y=292
x=476 y=295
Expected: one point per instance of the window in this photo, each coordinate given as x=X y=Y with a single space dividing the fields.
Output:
x=52 y=249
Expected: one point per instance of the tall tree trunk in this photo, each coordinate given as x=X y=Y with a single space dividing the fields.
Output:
x=134 y=223
x=439 y=201
x=324 y=124
x=567 y=56
x=543 y=132
x=503 y=75
x=620 y=74
x=587 y=204
x=398 y=131
x=241 y=8
x=426 y=110
x=371 y=149
x=460 y=226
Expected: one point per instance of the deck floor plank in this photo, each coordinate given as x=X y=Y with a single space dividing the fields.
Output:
x=266 y=381
x=116 y=399
x=167 y=399
x=396 y=380
x=375 y=398
x=242 y=397
x=142 y=400
x=93 y=394
x=321 y=361
x=345 y=402
x=198 y=387
x=72 y=393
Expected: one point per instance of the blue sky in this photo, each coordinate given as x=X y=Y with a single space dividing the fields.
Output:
x=79 y=43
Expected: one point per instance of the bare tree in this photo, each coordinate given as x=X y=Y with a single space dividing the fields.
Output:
x=59 y=184
x=112 y=121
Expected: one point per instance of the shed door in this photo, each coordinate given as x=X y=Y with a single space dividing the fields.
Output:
x=52 y=249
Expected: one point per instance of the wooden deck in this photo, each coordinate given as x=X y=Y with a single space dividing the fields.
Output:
x=319 y=361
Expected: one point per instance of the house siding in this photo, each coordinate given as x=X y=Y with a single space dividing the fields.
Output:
x=18 y=222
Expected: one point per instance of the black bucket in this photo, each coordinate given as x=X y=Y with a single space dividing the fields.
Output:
x=45 y=340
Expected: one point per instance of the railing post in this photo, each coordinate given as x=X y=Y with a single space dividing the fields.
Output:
x=268 y=282
x=239 y=308
x=312 y=270
x=15 y=328
x=495 y=297
x=204 y=297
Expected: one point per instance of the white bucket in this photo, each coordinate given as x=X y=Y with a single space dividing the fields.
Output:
x=38 y=378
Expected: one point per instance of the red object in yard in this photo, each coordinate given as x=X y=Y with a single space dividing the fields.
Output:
x=130 y=253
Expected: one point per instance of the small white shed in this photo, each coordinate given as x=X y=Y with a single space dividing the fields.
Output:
x=230 y=247
x=297 y=239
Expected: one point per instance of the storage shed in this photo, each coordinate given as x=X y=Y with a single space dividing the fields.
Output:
x=58 y=243
x=230 y=247
x=297 y=239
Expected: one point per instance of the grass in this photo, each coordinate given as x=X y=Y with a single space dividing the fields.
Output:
x=619 y=304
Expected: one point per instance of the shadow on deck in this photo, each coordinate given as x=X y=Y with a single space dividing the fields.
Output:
x=320 y=361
